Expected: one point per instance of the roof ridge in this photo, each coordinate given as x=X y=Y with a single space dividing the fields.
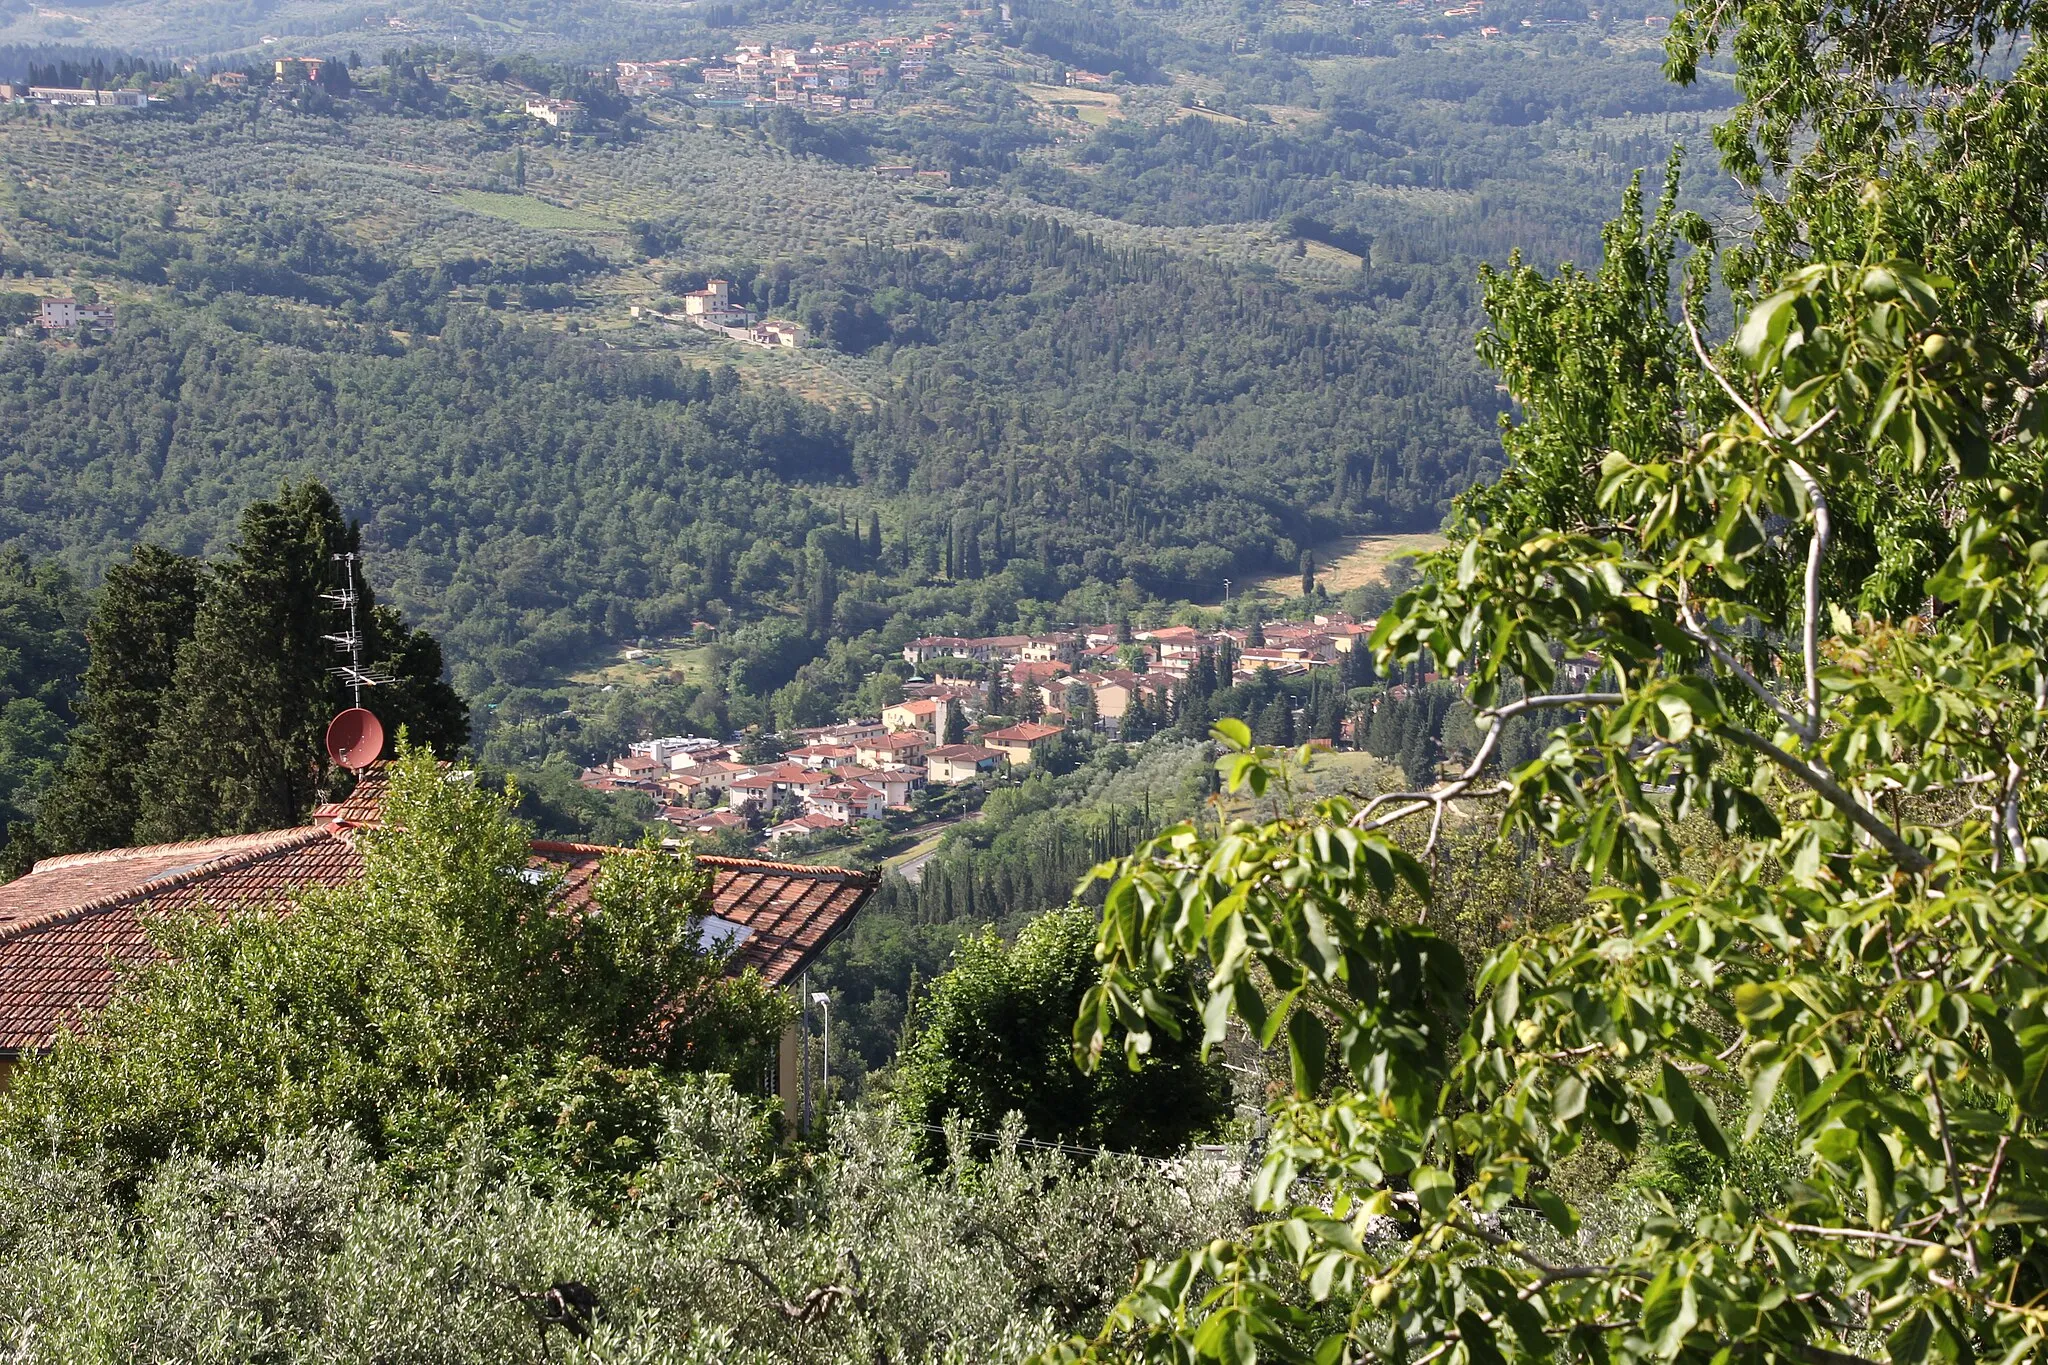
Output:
x=117 y=855
x=293 y=838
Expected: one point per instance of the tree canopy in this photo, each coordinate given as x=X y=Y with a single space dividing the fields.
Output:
x=449 y=1001
x=1808 y=798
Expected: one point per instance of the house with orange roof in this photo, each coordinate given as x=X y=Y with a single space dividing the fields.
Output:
x=904 y=746
x=921 y=713
x=1022 y=743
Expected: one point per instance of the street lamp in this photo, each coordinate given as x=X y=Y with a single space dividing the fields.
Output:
x=824 y=1002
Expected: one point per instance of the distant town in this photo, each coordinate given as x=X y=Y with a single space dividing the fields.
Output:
x=993 y=706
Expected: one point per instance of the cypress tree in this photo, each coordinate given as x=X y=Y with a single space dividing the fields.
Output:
x=998 y=694
x=238 y=746
x=144 y=616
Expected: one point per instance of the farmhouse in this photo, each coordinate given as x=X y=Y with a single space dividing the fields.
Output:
x=62 y=315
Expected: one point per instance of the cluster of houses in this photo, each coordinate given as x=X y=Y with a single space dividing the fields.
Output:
x=834 y=776
x=1161 y=657
x=829 y=77
x=837 y=775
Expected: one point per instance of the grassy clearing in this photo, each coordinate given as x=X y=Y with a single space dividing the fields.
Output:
x=693 y=663
x=530 y=212
x=1213 y=115
x=1097 y=108
x=1290 y=115
x=1322 y=251
x=1353 y=561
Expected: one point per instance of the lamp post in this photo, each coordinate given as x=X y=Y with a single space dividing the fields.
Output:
x=823 y=1001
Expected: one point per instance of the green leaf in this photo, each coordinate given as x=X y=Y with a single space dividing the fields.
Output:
x=1434 y=1190
x=1568 y=1099
x=1764 y=327
x=1556 y=1212
x=1878 y=1176
x=1908 y=1342
x=1308 y=1048
x=1231 y=733
x=1670 y=1311
x=1476 y=1336
x=1763 y=1089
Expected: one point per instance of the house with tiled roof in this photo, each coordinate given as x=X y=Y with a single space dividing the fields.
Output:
x=704 y=821
x=918 y=713
x=1022 y=742
x=904 y=746
x=802 y=826
x=847 y=802
x=1174 y=640
x=822 y=755
x=69 y=924
x=951 y=763
x=897 y=784
x=1023 y=675
x=757 y=791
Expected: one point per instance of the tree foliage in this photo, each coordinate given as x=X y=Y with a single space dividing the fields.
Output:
x=1808 y=804
x=993 y=1038
x=449 y=999
x=209 y=687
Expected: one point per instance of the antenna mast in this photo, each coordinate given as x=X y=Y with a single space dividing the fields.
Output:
x=350 y=642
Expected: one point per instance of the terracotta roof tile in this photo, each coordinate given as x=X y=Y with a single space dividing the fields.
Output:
x=66 y=925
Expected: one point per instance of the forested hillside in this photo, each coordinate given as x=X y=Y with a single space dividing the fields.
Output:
x=1162 y=338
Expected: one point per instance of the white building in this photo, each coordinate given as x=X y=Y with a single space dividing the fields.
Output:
x=61 y=315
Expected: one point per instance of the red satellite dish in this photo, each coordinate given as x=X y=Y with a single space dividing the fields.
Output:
x=355 y=738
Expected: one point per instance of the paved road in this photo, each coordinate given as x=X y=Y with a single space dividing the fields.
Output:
x=911 y=869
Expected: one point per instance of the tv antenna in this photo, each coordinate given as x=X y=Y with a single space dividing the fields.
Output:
x=355 y=738
x=353 y=674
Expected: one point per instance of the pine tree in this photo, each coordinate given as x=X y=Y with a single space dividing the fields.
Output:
x=1418 y=749
x=1270 y=724
x=1333 y=713
x=1080 y=707
x=240 y=744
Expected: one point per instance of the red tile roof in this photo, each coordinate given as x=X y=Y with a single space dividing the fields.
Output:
x=1024 y=732
x=65 y=925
